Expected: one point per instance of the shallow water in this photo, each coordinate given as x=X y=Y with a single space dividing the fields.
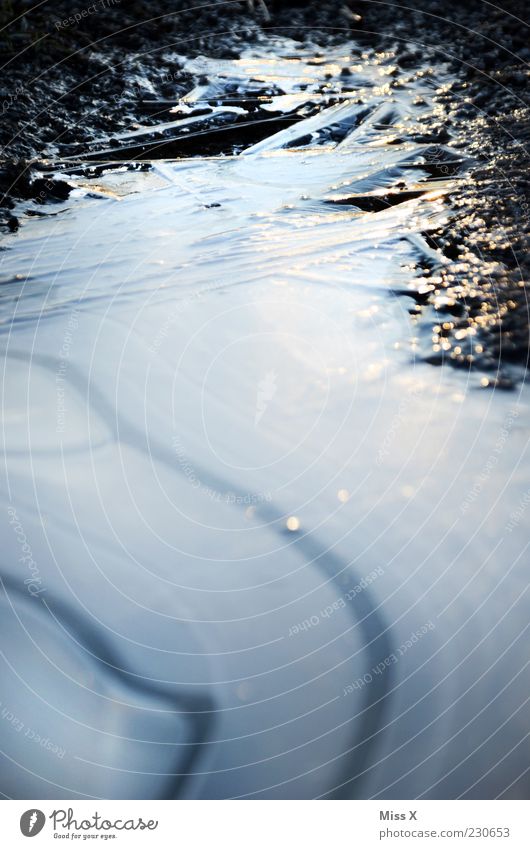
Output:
x=244 y=492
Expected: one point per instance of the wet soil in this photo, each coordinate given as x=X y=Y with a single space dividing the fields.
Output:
x=78 y=90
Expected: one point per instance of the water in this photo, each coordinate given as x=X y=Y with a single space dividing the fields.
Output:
x=273 y=553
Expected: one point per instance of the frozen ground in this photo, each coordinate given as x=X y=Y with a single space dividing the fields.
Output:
x=272 y=552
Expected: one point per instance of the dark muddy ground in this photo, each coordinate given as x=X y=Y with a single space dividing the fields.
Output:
x=70 y=87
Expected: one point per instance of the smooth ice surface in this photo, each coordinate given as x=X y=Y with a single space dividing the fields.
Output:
x=214 y=428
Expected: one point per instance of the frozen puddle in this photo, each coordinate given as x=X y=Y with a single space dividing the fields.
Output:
x=271 y=554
